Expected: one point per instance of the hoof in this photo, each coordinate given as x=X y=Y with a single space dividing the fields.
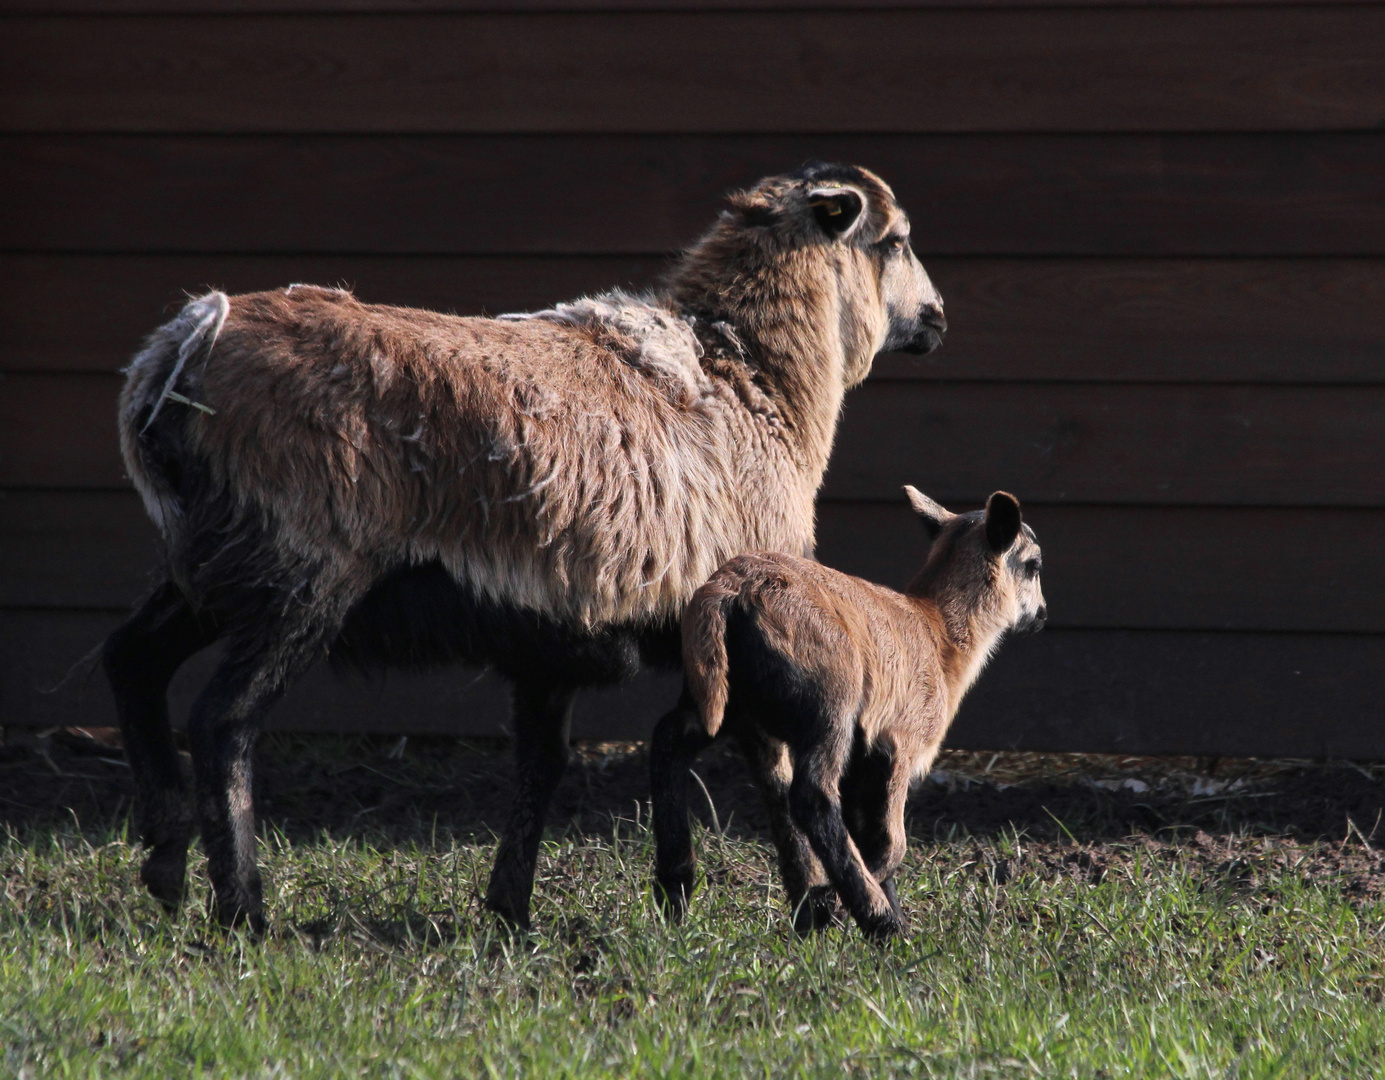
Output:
x=820 y=909
x=513 y=916
x=673 y=894
x=241 y=909
x=883 y=927
x=164 y=874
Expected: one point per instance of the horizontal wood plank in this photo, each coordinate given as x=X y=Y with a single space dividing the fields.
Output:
x=1055 y=442
x=341 y=7
x=1226 y=445
x=1151 y=320
x=1133 y=692
x=1310 y=68
x=1104 y=567
x=1151 y=195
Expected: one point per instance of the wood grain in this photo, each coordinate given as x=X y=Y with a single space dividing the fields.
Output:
x=1104 y=567
x=1119 y=320
x=340 y=7
x=1126 y=195
x=1130 y=692
x=1313 y=68
x=1048 y=442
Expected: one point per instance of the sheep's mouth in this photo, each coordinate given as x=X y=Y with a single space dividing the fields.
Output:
x=926 y=340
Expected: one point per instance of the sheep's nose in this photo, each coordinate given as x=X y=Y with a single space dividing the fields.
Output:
x=932 y=317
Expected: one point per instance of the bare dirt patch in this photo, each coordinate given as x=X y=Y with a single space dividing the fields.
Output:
x=1242 y=821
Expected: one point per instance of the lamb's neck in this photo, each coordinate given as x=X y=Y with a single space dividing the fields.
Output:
x=966 y=641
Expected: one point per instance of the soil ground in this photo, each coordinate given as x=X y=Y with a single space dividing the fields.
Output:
x=1072 y=813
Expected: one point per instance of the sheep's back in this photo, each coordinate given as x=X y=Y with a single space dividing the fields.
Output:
x=530 y=458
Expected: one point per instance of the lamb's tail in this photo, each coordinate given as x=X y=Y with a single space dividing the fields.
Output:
x=151 y=381
x=705 y=664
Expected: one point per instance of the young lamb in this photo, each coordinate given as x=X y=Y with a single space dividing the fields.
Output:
x=537 y=493
x=840 y=693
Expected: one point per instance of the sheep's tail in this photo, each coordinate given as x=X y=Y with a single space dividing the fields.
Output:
x=705 y=664
x=150 y=382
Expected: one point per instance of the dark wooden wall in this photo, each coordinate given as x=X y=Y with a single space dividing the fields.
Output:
x=1159 y=229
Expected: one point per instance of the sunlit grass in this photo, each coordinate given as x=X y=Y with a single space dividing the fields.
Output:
x=381 y=964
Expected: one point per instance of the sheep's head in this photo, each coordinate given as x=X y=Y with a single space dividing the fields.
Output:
x=834 y=237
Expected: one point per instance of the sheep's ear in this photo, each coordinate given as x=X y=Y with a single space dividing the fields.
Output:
x=933 y=516
x=1002 y=521
x=752 y=207
x=836 y=209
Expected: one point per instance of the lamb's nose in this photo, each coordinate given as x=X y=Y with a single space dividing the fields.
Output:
x=932 y=317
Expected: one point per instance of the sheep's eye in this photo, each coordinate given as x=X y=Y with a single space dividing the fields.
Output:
x=1032 y=568
x=893 y=244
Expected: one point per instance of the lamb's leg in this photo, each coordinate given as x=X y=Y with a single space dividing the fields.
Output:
x=140 y=659
x=542 y=722
x=222 y=730
x=812 y=898
x=874 y=791
x=815 y=802
x=678 y=738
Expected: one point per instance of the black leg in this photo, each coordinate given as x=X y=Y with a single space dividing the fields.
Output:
x=872 y=807
x=222 y=730
x=812 y=899
x=542 y=722
x=815 y=802
x=141 y=658
x=678 y=738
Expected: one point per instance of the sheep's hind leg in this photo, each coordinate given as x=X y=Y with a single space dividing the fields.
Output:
x=813 y=901
x=542 y=723
x=222 y=730
x=141 y=658
x=678 y=738
x=815 y=802
x=874 y=791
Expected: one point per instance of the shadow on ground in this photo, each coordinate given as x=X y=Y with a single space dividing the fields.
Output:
x=442 y=788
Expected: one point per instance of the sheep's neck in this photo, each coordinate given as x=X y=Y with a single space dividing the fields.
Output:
x=787 y=325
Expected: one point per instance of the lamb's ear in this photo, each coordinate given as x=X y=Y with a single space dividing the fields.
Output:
x=933 y=516
x=1002 y=521
x=837 y=209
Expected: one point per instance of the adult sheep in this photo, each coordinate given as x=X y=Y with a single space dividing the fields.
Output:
x=539 y=493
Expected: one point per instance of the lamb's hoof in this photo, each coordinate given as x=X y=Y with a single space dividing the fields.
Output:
x=673 y=894
x=883 y=927
x=820 y=909
x=164 y=874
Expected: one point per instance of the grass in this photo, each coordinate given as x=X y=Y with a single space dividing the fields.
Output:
x=1135 y=958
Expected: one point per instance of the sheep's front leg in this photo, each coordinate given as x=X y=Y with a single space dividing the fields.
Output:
x=678 y=738
x=542 y=726
x=815 y=802
x=812 y=898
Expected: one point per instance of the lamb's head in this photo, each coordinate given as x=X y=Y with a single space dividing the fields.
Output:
x=983 y=567
x=821 y=250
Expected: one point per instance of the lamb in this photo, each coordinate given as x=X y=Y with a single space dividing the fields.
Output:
x=538 y=493
x=840 y=693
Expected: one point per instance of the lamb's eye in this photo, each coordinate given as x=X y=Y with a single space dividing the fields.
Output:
x=1032 y=568
x=893 y=244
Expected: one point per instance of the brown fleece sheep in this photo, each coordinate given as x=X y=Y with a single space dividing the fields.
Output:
x=840 y=692
x=536 y=493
